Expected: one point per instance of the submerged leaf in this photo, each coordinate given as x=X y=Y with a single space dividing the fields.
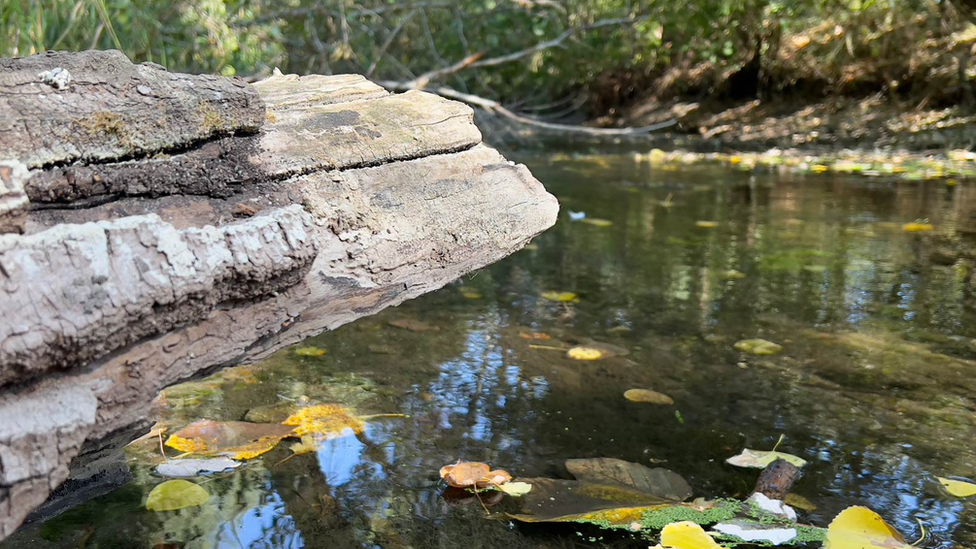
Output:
x=958 y=488
x=596 y=222
x=648 y=396
x=606 y=490
x=176 y=494
x=759 y=347
x=180 y=468
x=861 y=528
x=412 y=325
x=759 y=459
x=585 y=353
x=706 y=224
x=310 y=351
x=237 y=439
x=800 y=502
x=306 y=445
x=323 y=419
x=469 y=293
x=917 y=227
x=561 y=297
x=687 y=535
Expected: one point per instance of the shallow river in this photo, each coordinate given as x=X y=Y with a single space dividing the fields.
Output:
x=875 y=387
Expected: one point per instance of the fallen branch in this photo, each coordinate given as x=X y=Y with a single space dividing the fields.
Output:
x=497 y=108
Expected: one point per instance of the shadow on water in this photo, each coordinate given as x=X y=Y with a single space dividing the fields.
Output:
x=875 y=386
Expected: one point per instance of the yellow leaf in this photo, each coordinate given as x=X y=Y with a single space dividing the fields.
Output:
x=687 y=535
x=958 y=488
x=176 y=494
x=307 y=445
x=237 y=439
x=917 y=227
x=323 y=419
x=648 y=396
x=759 y=459
x=596 y=222
x=561 y=297
x=861 y=528
x=584 y=353
x=516 y=489
x=310 y=351
x=759 y=347
x=469 y=293
x=706 y=224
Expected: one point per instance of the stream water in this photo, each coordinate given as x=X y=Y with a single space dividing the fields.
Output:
x=875 y=387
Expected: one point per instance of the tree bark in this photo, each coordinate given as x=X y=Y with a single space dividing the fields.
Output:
x=161 y=225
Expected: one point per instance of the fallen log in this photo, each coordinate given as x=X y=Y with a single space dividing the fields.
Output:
x=155 y=226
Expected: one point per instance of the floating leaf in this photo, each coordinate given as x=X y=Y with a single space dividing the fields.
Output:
x=180 y=468
x=473 y=474
x=306 y=445
x=958 y=488
x=310 y=351
x=323 y=419
x=759 y=459
x=759 y=347
x=861 y=528
x=237 y=439
x=687 y=535
x=516 y=489
x=176 y=494
x=535 y=335
x=917 y=227
x=469 y=293
x=706 y=224
x=561 y=297
x=412 y=325
x=648 y=396
x=770 y=505
x=271 y=413
x=585 y=353
x=596 y=222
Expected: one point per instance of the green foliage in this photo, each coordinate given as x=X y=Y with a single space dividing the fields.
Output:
x=400 y=40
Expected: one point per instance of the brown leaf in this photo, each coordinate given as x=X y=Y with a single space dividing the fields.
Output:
x=411 y=324
x=237 y=439
x=464 y=474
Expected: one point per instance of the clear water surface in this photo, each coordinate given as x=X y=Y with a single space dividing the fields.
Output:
x=876 y=386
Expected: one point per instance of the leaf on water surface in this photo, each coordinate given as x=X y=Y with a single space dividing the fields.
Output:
x=412 y=325
x=861 y=528
x=917 y=227
x=958 y=488
x=607 y=491
x=687 y=535
x=596 y=222
x=310 y=351
x=516 y=489
x=759 y=347
x=648 y=396
x=759 y=459
x=181 y=468
x=306 y=445
x=706 y=224
x=560 y=297
x=473 y=474
x=323 y=419
x=773 y=506
x=176 y=494
x=238 y=439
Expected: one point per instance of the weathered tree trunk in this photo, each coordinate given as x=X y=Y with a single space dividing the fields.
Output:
x=159 y=225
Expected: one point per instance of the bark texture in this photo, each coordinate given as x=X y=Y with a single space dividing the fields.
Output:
x=203 y=222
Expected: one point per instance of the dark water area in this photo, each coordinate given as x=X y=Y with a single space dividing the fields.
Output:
x=875 y=387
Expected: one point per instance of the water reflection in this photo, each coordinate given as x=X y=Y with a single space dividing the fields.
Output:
x=875 y=387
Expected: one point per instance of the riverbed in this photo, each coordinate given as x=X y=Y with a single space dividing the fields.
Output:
x=670 y=266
